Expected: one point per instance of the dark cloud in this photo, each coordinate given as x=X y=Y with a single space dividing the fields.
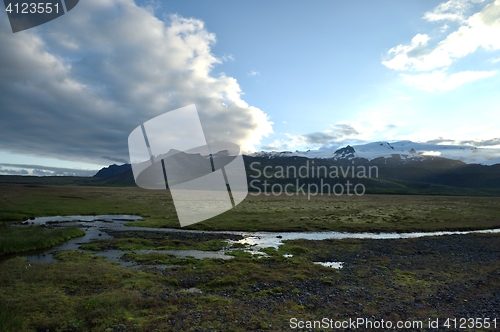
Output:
x=339 y=133
x=76 y=87
x=269 y=148
x=321 y=138
x=345 y=129
x=117 y=160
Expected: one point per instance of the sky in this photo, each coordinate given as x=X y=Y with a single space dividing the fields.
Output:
x=267 y=75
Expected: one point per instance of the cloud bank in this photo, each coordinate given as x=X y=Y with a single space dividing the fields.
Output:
x=76 y=87
x=38 y=170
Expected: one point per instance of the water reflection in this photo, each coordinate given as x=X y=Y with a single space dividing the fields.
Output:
x=333 y=265
x=96 y=227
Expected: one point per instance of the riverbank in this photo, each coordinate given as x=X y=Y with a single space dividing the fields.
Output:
x=27 y=238
x=398 y=279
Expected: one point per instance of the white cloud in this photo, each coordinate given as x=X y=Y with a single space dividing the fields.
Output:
x=461 y=133
x=253 y=73
x=440 y=81
x=431 y=153
x=406 y=57
x=452 y=10
x=13 y=171
x=480 y=30
x=378 y=123
x=493 y=143
x=227 y=58
x=75 y=87
x=444 y=28
x=290 y=142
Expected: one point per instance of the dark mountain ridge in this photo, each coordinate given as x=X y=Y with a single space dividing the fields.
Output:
x=393 y=175
x=112 y=170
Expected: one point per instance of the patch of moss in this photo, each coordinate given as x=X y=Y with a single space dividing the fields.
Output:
x=14 y=239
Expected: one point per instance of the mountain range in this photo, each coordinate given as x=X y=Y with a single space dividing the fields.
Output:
x=403 y=167
x=405 y=149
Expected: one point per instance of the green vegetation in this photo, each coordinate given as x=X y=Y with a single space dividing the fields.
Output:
x=156 y=241
x=265 y=213
x=19 y=239
x=87 y=292
x=381 y=279
x=20 y=202
x=80 y=292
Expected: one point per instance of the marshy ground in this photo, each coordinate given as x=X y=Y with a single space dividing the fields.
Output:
x=259 y=213
x=398 y=279
x=410 y=279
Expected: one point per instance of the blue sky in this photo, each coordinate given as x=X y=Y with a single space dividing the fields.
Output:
x=292 y=74
x=322 y=64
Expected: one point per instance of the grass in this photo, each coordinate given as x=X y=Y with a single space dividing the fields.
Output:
x=79 y=292
x=20 y=202
x=148 y=240
x=20 y=239
x=266 y=213
x=89 y=293
x=381 y=279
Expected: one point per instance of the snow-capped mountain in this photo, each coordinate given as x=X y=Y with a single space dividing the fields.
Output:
x=405 y=149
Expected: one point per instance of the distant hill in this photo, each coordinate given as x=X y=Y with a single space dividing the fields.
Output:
x=112 y=170
x=396 y=174
x=401 y=168
x=434 y=175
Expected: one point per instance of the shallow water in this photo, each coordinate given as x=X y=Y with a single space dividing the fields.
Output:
x=333 y=265
x=106 y=218
x=96 y=227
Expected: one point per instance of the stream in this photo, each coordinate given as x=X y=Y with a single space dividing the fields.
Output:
x=97 y=228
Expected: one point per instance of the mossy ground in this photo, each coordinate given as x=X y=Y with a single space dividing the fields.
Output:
x=383 y=279
x=26 y=238
x=449 y=276
x=264 y=213
x=159 y=241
